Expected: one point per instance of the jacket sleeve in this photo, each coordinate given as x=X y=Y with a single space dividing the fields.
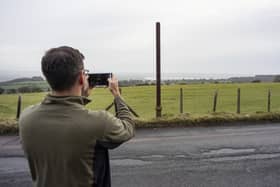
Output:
x=120 y=128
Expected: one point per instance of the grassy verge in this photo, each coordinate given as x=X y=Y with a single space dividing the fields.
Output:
x=211 y=119
x=10 y=126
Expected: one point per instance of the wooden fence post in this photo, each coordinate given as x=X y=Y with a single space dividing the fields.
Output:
x=181 y=101
x=215 y=101
x=113 y=104
x=18 y=106
x=238 y=101
x=268 y=100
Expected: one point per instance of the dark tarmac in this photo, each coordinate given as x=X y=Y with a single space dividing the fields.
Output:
x=202 y=156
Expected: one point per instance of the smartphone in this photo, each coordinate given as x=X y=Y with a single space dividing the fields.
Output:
x=98 y=79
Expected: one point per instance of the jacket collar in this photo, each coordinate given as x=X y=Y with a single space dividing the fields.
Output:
x=51 y=99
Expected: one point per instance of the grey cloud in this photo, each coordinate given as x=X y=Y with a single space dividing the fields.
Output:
x=197 y=36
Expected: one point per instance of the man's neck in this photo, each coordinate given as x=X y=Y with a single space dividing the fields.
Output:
x=72 y=92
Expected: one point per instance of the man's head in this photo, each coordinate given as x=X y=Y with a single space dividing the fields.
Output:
x=62 y=67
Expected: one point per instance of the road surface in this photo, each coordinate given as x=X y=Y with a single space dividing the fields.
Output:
x=202 y=156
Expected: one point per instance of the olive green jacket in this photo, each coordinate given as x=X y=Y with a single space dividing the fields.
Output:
x=59 y=137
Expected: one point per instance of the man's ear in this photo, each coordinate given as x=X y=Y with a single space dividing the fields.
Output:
x=81 y=79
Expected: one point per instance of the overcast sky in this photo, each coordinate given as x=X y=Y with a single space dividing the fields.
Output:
x=198 y=36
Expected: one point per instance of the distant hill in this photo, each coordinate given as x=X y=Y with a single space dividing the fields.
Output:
x=20 y=80
x=38 y=81
x=258 y=78
x=24 y=85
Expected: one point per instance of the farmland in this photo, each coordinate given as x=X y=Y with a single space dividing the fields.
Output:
x=198 y=99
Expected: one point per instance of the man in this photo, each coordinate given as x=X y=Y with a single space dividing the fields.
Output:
x=64 y=143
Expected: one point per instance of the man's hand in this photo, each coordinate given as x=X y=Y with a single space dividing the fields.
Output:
x=114 y=86
x=86 y=89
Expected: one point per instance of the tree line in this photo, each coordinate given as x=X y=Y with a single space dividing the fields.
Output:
x=23 y=89
x=123 y=83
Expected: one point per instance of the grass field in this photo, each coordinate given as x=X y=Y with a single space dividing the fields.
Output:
x=198 y=99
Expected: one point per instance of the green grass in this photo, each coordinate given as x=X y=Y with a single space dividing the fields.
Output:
x=8 y=103
x=198 y=99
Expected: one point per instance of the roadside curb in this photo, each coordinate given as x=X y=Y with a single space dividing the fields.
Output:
x=204 y=124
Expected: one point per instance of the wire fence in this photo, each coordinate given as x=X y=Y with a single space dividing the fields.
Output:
x=196 y=99
x=199 y=99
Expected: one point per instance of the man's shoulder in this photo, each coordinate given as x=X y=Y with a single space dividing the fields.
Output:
x=28 y=114
x=30 y=109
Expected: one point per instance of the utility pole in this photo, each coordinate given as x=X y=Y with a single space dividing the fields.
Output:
x=158 y=79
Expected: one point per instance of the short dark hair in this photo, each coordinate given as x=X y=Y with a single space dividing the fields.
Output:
x=61 y=67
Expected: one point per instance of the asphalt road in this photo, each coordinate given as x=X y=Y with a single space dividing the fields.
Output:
x=214 y=156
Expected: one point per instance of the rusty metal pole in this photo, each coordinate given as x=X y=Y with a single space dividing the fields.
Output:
x=158 y=79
